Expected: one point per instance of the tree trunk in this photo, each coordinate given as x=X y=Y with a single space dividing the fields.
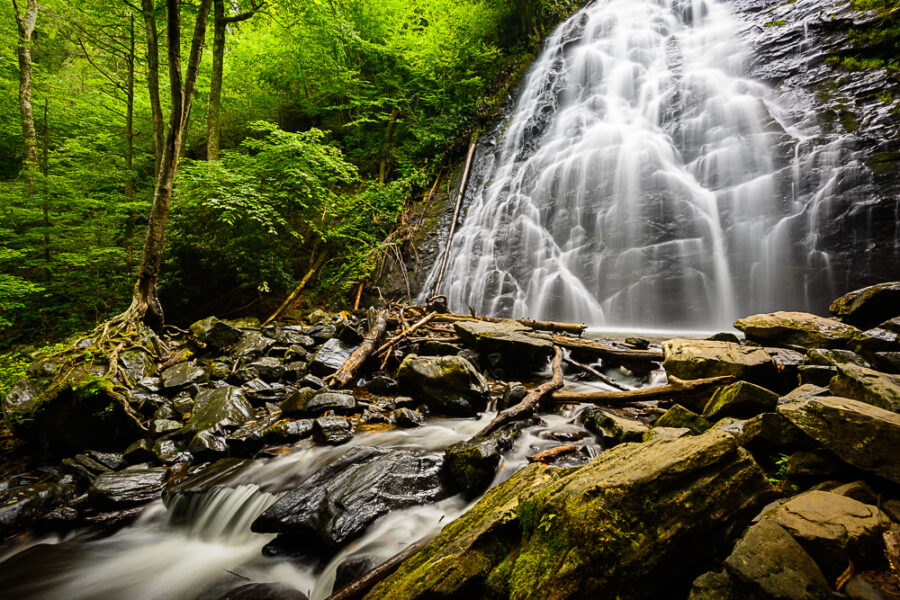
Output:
x=129 y=115
x=25 y=24
x=215 y=82
x=153 y=78
x=144 y=303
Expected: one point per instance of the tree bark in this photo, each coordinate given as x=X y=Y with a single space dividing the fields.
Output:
x=604 y=351
x=343 y=375
x=147 y=9
x=575 y=328
x=145 y=304
x=25 y=25
x=129 y=114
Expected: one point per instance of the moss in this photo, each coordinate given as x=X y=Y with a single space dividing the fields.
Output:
x=777 y=23
x=884 y=163
x=849 y=121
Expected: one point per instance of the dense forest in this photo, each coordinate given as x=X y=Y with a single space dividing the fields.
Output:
x=313 y=126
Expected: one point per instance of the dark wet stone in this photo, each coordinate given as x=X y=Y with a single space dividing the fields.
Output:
x=260 y=392
x=137 y=365
x=140 y=451
x=438 y=348
x=223 y=472
x=183 y=403
x=382 y=384
x=120 y=489
x=247 y=440
x=269 y=368
x=287 y=432
x=207 y=445
x=168 y=451
x=514 y=393
x=112 y=460
x=215 y=333
x=816 y=374
x=264 y=591
x=330 y=357
x=309 y=403
x=161 y=426
x=449 y=384
x=351 y=569
x=21 y=506
x=291 y=335
x=612 y=428
x=164 y=412
x=868 y=306
x=472 y=463
x=219 y=409
x=252 y=343
x=312 y=381
x=337 y=503
x=518 y=346
x=349 y=334
x=741 y=399
x=294 y=370
x=332 y=430
x=183 y=375
x=404 y=417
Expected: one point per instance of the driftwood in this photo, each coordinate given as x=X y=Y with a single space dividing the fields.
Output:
x=592 y=371
x=576 y=328
x=676 y=387
x=526 y=407
x=343 y=375
x=405 y=333
x=549 y=454
x=360 y=586
x=605 y=351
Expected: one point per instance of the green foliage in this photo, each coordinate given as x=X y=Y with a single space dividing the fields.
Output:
x=777 y=23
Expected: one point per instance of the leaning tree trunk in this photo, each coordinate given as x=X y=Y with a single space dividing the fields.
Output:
x=153 y=79
x=144 y=304
x=215 y=81
x=25 y=24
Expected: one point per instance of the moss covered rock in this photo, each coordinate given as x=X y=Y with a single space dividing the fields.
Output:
x=867 y=385
x=518 y=345
x=695 y=359
x=741 y=399
x=613 y=428
x=627 y=525
x=869 y=306
x=472 y=463
x=448 y=384
x=679 y=416
x=796 y=328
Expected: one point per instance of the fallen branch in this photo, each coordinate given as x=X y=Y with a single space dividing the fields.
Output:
x=526 y=407
x=675 y=388
x=605 y=351
x=343 y=375
x=545 y=456
x=575 y=328
x=592 y=371
x=403 y=335
x=362 y=584
x=287 y=301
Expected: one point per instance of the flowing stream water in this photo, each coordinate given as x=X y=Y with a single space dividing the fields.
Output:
x=643 y=180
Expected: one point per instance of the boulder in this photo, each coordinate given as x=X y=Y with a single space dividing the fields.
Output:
x=219 y=409
x=22 y=505
x=167 y=451
x=216 y=334
x=679 y=416
x=868 y=306
x=867 y=385
x=713 y=586
x=309 y=403
x=834 y=529
x=247 y=439
x=287 y=432
x=140 y=451
x=448 y=384
x=207 y=445
x=665 y=433
x=612 y=428
x=472 y=463
x=120 y=489
x=627 y=525
x=834 y=358
x=330 y=357
x=696 y=359
x=796 y=329
x=518 y=345
x=332 y=430
x=816 y=374
x=405 y=417
x=224 y=472
x=137 y=366
x=862 y=435
x=269 y=368
x=770 y=435
x=513 y=393
x=338 y=502
x=252 y=343
x=182 y=375
x=264 y=591
x=768 y=563
x=741 y=399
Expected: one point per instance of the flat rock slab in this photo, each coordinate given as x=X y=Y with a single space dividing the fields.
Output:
x=796 y=328
x=330 y=357
x=626 y=525
x=740 y=399
x=218 y=409
x=120 y=489
x=514 y=341
x=337 y=503
x=696 y=359
x=867 y=385
x=860 y=434
x=183 y=375
x=868 y=306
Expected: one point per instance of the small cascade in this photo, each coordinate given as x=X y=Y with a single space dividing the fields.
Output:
x=643 y=180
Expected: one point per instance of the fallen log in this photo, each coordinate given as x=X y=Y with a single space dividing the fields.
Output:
x=676 y=387
x=606 y=351
x=525 y=408
x=347 y=370
x=575 y=328
x=360 y=586
x=592 y=371
x=545 y=456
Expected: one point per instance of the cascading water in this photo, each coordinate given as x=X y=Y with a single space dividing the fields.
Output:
x=642 y=180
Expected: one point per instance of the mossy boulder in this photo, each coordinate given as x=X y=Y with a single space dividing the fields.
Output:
x=448 y=384
x=518 y=345
x=472 y=463
x=771 y=435
x=220 y=409
x=834 y=358
x=796 y=329
x=740 y=399
x=612 y=428
x=679 y=416
x=869 y=306
x=307 y=402
x=696 y=359
x=627 y=525
x=867 y=385
x=860 y=434
x=215 y=333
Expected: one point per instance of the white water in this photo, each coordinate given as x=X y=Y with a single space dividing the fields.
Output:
x=639 y=183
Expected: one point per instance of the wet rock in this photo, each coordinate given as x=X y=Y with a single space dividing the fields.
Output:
x=182 y=375
x=695 y=359
x=834 y=529
x=216 y=334
x=860 y=434
x=289 y=335
x=137 y=365
x=352 y=568
x=183 y=403
x=679 y=416
x=438 y=348
x=248 y=439
x=382 y=384
x=252 y=343
x=120 y=489
x=518 y=345
x=867 y=307
x=287 y=432
x=322 y=332
x=787 y=364
x=309 y=403
x=741 y=399
x=318 y=316
x=887 y=361
x=804 y=391
x=219 y=409
x=730 y=425
x=816 y=374
x=449 y=384
x=264 y=591
x=713 y=586
x=724 y=336
x=834 y=358
x=330 y=357
x=612 y=428
x=165 y=411
x=21 y=506
x=338 y=502
x=514 y=393
x=870 y=341
x=867 y=385
x=258 y=392
x=312 y=381
x=206 y=445
x=140 y=451
x=332 y=430
x=111 y=460
x=628 y=524
x=857 y=490
x=770 y=435
x=472 y=463
x=868 y=586
x=269 y=368
x=168 y=451
x=665 y=433
x=796 y=329
x=405 y=417
x=224 y=472
x=161 y=426
x=769 y=563
x=294 y=370
x=349 y=334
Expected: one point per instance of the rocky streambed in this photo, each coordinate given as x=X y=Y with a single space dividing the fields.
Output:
x=245 y=461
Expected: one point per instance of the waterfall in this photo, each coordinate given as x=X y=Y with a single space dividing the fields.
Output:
x=641 y=180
